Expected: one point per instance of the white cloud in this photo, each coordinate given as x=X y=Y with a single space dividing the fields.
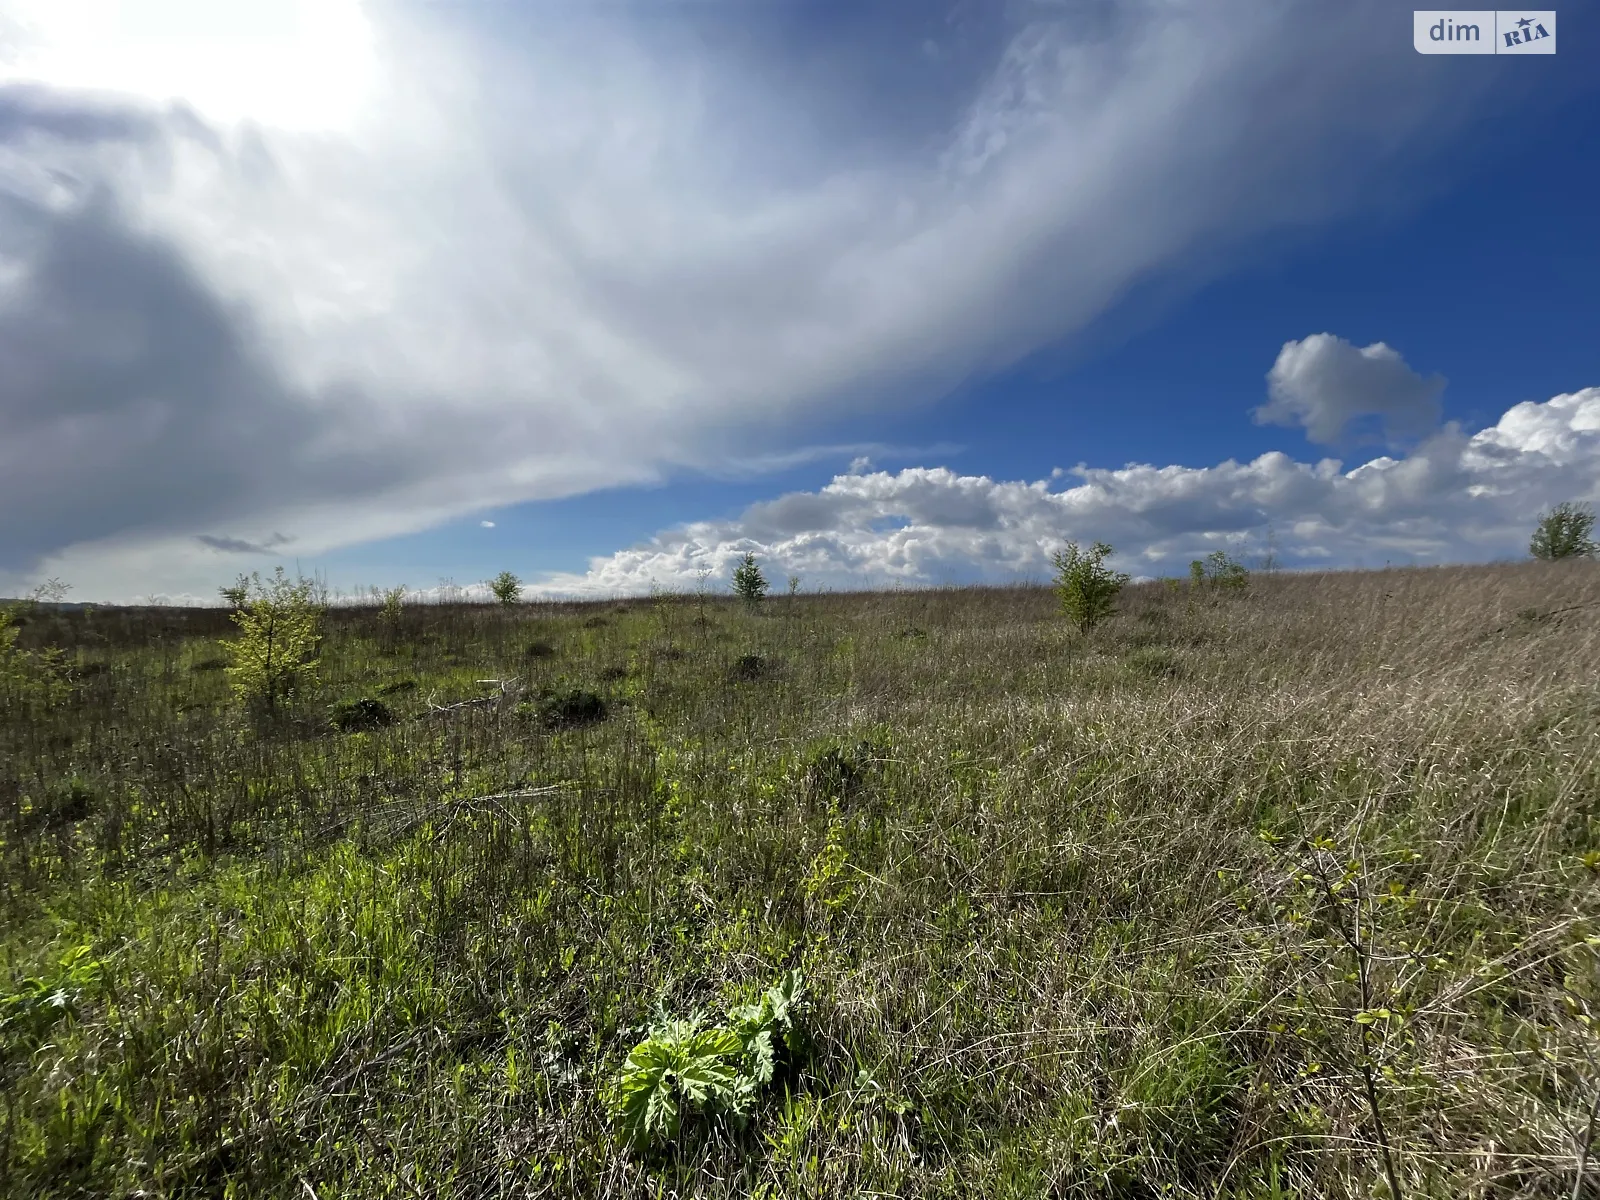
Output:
x=297 y=64
x=486 y=524
x=1325 y=384
x=544 y=252
x=1454 y=498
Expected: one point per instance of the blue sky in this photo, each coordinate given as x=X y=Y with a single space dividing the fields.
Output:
x=857 y=287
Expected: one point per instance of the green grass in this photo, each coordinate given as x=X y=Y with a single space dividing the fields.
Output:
x=1135 y=914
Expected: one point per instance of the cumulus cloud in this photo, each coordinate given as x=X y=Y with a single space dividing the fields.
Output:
x=486 y=524
x=552 y=248
x=1454 y=498
x=1326 y=385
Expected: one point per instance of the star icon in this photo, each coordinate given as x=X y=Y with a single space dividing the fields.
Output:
x=1525 y=22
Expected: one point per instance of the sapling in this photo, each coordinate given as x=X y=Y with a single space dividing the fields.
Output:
x=749 y=584
x=1087 y=588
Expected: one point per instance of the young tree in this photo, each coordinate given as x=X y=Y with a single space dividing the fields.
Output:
x=1218 y=570
x=234 y=594
x=280 y=628
x=507 y=588
x=51 y=591
x=1566 y=531
x=391 y=603
x=1088 y=589
x=749 y=584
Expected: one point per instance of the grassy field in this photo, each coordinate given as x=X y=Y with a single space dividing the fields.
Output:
x=1294 y=892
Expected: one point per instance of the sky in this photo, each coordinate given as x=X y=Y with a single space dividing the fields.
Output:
x=608 y=294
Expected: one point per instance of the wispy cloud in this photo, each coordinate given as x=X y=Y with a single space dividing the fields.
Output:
x=233 y=545
x=573 y=247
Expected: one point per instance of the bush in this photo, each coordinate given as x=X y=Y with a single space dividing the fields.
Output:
x=749 y=584
x=1088 y=590
x=1566 y=531
x=838 y=772
x=391 y=603
x=366 y=713
x=566 y=708
x=280 y=627
x=507 y=588
x=748 y=668
x=1217 y=570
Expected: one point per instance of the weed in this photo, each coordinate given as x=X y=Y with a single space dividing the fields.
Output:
x=684 y=1066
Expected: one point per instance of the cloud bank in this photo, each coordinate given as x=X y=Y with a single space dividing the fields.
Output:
x=1455 y=498
x=536 y=250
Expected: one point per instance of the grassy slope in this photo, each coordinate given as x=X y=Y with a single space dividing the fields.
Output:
x=1077 y=915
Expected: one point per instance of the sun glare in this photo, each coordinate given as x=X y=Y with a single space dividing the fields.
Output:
x=291 y=64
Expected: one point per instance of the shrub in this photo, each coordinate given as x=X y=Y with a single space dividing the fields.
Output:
x=566 y=707
x=40 y=678
x=837 y=772
x=540 y=650
x=507 y=588
x=1088 y=590
x=749 y=584
x=1566 y=531
x=366 y=713
x=1219 y=571
x=390 y=603
x=280 y=629
x=748 y=668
